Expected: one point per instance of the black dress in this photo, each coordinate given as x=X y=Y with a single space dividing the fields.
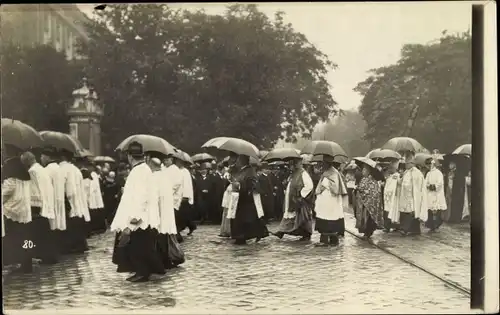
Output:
x=246 y=224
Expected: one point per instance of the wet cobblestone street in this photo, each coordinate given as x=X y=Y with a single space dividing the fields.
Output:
x=267 y=276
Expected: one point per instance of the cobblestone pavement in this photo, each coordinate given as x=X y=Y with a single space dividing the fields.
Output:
x=445 y=253
x=268 y=276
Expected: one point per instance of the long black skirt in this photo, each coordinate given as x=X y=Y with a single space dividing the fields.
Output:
x=45 y=239
x=17 y=244
x=408 y=223
x=75 y=237
x=184 y=217
x=120 y=256
x=97 y=221
x=247 y=225
x=329 y=227
x=388 y=224
x=171 y=256
x=434 y=220
x=143 y=254
x=140 y=255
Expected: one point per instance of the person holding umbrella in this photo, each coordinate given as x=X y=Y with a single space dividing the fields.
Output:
x=413 y=198
x=298 y=205
x=135 y=221
x=246 y=215
x=331 y=200
x=369 y=216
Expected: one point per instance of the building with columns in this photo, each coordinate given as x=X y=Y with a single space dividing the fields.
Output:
x=57 y=25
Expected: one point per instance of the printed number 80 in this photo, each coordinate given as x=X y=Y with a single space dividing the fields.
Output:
x=28 y=244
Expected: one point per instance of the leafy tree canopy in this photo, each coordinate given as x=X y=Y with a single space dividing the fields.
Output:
x=36 y=86
x=188 y=76
x=426 y=95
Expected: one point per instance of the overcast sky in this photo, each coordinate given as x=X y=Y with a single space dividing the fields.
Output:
x=361 y=36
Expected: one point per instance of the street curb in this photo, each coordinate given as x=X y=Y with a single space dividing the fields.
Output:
x=448 y=282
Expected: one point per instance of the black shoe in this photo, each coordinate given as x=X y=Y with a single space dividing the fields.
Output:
x=305 y=238
x=258 y=239
x=240 y=242
x=134 y=276
x=180 y=239
x=140 y=279
x=191 y=230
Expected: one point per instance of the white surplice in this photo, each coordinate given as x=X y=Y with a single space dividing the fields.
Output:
x=42 y=191
x=392 y=192
x=56 y=175
x=164 y=197
x=187 y=186
x=16 y=200
x=436 y=200
x=308 y=187
x=135 y=202
x=95 y=195
x=329 y=204
x=175 y=176
x=74 y=190
x=413 y=196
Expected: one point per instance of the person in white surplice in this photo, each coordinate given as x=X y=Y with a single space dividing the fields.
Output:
x=436 y=200
x=137 y=221
x=331 y=200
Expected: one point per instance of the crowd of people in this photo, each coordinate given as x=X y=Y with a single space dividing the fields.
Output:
x=53 y=202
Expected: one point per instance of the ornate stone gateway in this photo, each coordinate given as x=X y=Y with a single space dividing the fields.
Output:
x=85 y=118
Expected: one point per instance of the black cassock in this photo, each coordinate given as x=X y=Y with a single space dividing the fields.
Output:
x=205 y=190
x=220 y=184
x=267 y=196
x=246 y=224
x=279 y=195
x=111 y=193
x=454 y=212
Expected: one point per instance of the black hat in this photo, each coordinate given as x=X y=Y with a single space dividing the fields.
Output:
x=135 y=149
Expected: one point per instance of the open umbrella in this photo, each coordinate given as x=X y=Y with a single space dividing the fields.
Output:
x=263 y=153
x=361 y=161
x=149 y=143
x=202 y=157
x=62 y=141
x=465 y=149
x=324 y=147
x=104 y=159
x=235 y=145
x=84 y=153
x=401 y=144
x=379 y=154
x=420 y=158
x=337 y=158
x=282 y=154
x=20 y=135
x=183 y=156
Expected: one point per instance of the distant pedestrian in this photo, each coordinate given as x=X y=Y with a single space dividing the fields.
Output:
x=436 y=200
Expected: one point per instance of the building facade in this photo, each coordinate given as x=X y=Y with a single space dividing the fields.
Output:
x=57 y=25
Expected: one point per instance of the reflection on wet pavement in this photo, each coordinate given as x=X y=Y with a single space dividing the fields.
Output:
x=266 y=276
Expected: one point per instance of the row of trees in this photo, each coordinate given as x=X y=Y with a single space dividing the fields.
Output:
x=427 y=95
x=189 y=76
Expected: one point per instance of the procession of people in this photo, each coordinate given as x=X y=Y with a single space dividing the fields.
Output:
x=54 y=197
